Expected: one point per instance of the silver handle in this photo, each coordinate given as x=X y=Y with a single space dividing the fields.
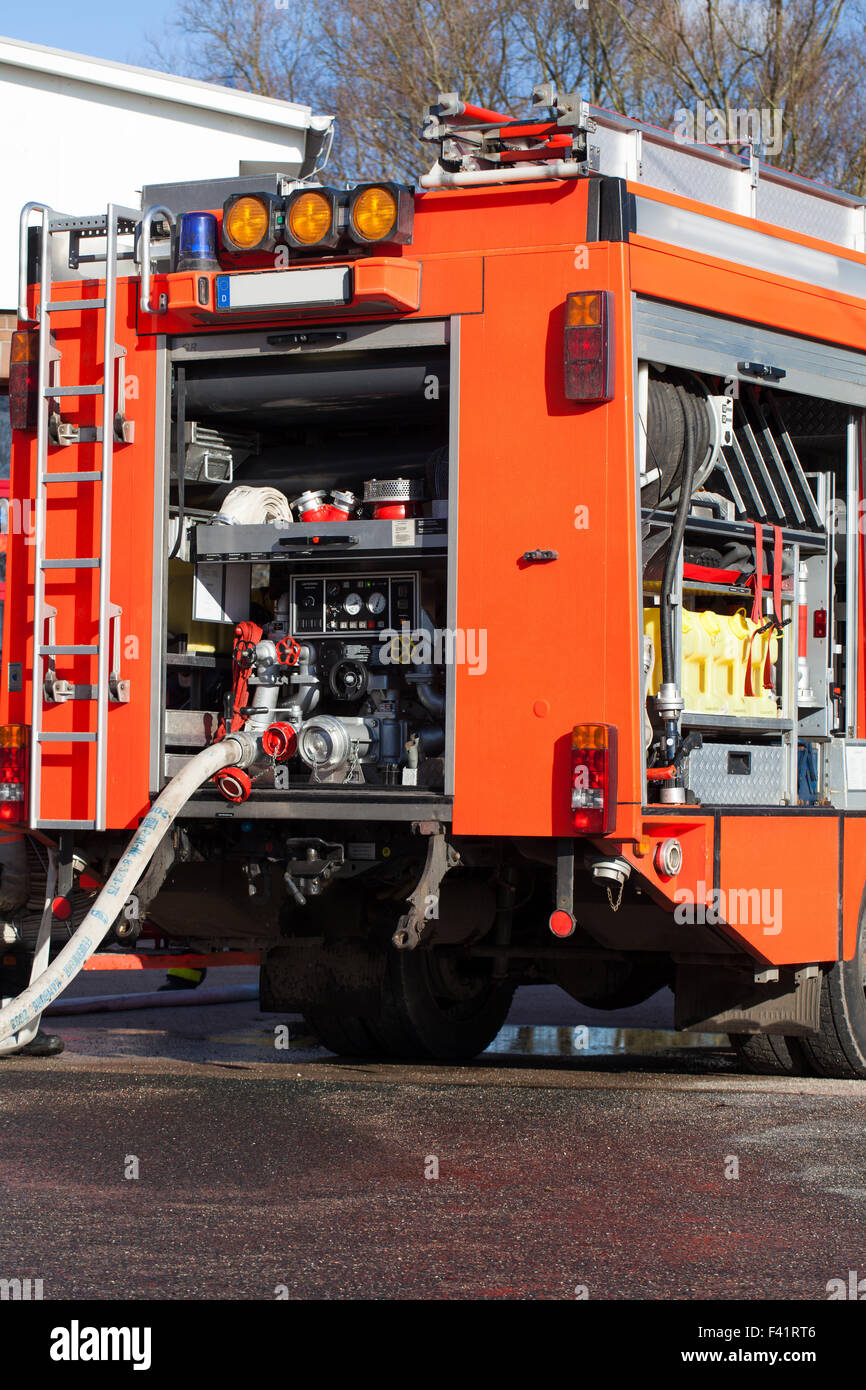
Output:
x=149 y=217
x=23 y=228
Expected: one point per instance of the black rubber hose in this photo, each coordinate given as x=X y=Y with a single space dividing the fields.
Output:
x=676 y=540
x=180 y=424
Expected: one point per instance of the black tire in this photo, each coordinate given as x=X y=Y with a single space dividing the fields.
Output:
x=769 y=1054
x=633 y=981
x=438 y=1007
x=839 y=1050
x=432 y=1008
x=346 y=1036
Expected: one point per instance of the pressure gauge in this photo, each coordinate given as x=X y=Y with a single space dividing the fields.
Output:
x=353 y=603
x=376 y=602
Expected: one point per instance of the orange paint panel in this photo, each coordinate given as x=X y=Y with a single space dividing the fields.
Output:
x=700 y=282
x=695 y=835
x=442 y=286
x=388 y=284
x=778 y=877
x=853 y=881
x=537 y=471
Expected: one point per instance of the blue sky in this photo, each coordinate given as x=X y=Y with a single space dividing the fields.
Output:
x=115 y=29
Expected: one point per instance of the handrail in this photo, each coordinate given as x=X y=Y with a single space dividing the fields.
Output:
x=143 y=257
x=23 y=228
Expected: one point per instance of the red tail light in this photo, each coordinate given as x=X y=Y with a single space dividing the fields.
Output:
x=24 y=380
x=593 y=778
x=589 y=346
x=13 y=771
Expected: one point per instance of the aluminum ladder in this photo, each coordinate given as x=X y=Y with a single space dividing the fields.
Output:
x=116 y=221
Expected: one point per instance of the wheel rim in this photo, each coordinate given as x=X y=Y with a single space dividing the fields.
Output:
x=460 y=990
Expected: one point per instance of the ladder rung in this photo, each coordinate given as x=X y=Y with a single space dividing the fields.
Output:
x=71 y=477
x=70 y=564
x=66 y=738
x=58 y=306
x=74 y=391
x=68 y=651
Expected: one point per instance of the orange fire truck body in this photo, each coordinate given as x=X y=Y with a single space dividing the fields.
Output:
x=539 y=561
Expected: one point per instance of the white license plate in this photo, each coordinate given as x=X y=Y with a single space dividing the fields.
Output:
x=320 y=285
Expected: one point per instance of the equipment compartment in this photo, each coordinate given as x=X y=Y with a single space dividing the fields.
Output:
x=309 y=499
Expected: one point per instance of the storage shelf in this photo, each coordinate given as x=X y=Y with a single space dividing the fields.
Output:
x=333 y=540
x=734 y=723
x=810 y=542
x=198 y=661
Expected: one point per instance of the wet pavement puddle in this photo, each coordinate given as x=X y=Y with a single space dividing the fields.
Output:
x=535 y=1040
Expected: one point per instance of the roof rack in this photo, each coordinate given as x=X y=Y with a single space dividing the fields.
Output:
x=572 y=139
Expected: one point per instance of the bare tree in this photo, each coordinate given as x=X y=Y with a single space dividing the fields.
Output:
x=377 y=64
x=253 y=45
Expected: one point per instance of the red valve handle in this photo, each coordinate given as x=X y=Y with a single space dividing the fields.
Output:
x=288 y=651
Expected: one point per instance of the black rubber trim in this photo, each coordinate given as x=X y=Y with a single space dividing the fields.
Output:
x=717 y=852
x=610 y=210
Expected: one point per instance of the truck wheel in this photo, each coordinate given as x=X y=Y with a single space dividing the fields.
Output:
x=839 y=1050
x=347 y=1036
x=769 y=1054
x=436 y=1007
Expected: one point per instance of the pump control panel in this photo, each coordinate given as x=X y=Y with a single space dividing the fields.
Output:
x=331 y=605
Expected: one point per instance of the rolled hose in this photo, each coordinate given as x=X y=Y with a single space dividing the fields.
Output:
x=233 y=751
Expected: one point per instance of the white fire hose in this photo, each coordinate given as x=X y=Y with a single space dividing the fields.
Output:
x=235 y=750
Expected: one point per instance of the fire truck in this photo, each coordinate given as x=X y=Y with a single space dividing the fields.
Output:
x=451 y=587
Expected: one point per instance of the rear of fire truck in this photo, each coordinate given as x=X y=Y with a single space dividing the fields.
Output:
x=467 y=551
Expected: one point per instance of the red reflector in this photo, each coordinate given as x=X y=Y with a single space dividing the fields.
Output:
x=589 y=346
x=62 y=909
x=593 y=778
x=819 y=623
x=561 y=923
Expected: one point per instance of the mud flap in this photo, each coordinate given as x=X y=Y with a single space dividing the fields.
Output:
x=722 y=1000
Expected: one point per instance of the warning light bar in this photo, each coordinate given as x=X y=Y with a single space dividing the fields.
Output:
x=317 y=218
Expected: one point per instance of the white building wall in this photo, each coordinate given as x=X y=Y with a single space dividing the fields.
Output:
x=79 y=132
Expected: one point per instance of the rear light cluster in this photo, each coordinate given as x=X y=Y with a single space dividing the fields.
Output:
x=24 y=380
x=313 y=219
x=593 y=778
x=589 y=374
x=13 y=771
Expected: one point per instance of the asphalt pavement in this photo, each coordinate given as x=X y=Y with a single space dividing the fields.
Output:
x=178 y=1153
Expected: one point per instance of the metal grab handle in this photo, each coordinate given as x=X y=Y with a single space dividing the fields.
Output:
x=143 y=257
x=23 y=229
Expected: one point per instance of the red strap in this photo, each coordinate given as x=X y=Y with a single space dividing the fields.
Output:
x=749 y=690
x=758 y=577
x=247 y=634
x=757 y=601
x=777 y=604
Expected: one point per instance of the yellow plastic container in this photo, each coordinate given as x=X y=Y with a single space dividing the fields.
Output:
x=743 y=645
x=716 y=651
